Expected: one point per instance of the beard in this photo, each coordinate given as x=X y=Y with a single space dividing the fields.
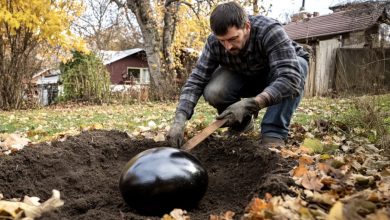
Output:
x=234 y=51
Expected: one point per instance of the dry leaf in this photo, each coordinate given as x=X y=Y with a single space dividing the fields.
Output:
x=258 y=205
x=311 y=181
x=159 y=137
x=301 y=170
x=13 y=142
x=30 y=207
x=328 y=181
x=324 y=167
x=379 y=215
x=288 y=153
x=227 y=216
x=176 y=214
x=306 y=159
x=324 y=198
x=336 y=212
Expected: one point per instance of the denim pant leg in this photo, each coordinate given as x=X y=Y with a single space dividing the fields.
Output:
x=276 y=120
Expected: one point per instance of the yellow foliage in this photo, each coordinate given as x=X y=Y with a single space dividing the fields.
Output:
x=47 y=21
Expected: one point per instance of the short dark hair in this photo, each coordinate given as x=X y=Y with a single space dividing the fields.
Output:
x=227 y=15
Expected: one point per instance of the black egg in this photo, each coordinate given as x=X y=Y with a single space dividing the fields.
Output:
x=158 y=180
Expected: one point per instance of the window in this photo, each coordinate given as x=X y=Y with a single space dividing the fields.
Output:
x=134 y=75
x=138 y=76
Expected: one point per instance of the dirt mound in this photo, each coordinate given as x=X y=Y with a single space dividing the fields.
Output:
x=86 y=170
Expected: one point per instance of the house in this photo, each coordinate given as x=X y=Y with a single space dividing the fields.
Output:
x=348 y=47
x=127 y=68
x=47 y=85
x=128 y=71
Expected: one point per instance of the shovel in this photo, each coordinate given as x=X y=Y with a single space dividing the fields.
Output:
x=193 y=142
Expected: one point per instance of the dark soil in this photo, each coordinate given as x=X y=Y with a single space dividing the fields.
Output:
x=86 y=170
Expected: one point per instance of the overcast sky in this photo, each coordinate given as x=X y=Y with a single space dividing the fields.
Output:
x=281 y=7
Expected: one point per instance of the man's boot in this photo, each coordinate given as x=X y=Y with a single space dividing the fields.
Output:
x=269 y=142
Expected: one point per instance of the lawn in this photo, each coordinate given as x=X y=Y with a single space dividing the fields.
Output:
x=48 y=123
x=336 y=160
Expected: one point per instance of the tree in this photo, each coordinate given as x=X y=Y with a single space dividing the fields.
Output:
x=159 y=24
x=85 y=78
x=105 y=27
x=26 y=28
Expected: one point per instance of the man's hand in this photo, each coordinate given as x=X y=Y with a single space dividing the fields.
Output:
x=175 y=135
x=236 y=112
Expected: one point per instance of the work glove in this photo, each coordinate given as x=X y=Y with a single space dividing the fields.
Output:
x=236 y=112
x=175 y=134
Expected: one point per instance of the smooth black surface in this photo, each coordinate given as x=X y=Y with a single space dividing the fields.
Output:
x=158 y=180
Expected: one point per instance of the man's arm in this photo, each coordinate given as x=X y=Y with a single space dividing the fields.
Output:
x=284 y=66
x=197 y=81
x=190 y=94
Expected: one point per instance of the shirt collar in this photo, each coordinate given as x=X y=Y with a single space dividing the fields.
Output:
x=250 y=44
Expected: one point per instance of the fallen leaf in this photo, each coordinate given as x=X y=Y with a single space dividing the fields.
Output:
x=324 y=198
x=13 y=142
x=256 y=208
x=179 y=214
x=301 y=170
x=286 y=153
x=379 y=215
x=336 y=212
x=306 y=159
x=159 y=137
x=30 y=207
x=311 y=181
x=328 y=181
x=324 y=167
x=226 y=216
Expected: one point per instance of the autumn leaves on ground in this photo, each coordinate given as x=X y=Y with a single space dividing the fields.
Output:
x=338 y=152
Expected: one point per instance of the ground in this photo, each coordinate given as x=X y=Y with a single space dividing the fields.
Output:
x=85 y=168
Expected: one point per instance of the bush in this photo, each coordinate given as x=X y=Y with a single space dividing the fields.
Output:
x=85 y=78
x=371 y=114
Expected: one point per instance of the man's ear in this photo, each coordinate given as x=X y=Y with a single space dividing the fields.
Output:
x=247 y=25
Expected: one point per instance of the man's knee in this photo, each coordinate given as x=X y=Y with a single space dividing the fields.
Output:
x=213 y=94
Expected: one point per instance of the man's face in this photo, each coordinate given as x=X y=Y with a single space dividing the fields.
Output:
x=235 y=39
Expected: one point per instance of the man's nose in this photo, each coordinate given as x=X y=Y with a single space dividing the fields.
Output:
x=228 y=45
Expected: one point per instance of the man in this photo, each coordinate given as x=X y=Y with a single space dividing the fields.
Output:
x=248 y=63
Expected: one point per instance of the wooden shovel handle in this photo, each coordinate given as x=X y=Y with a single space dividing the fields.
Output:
x=203 y=134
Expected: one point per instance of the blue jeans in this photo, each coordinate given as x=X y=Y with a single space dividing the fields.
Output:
x=226 y=88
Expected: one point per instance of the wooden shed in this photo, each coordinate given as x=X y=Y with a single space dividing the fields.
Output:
x=365 y=27
x=127 y=67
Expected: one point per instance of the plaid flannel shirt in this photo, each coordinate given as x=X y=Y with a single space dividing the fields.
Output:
x=269 y=51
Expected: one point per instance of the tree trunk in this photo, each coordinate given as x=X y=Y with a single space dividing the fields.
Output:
x=14 y=71
x=156 y=46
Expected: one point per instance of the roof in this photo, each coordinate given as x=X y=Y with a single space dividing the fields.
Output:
x=53 y=79
x=110 y=56
x=336 y=23
x=46 y=76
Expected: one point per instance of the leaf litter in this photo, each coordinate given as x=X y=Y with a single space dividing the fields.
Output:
x=339 y=173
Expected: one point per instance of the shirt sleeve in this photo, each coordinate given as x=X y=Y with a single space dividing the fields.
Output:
x=285 y=77
x=198 y=79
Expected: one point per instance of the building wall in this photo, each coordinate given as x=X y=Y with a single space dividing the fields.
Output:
x=322 y=74
x=362 y=70
x=354 y=40
x=119 y=68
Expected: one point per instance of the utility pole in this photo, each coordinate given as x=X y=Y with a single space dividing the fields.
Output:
x=303 y=6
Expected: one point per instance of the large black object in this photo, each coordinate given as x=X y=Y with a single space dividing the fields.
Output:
x=158 y=180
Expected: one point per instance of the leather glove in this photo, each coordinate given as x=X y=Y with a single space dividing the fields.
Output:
x=175 y=134
x=236 y=112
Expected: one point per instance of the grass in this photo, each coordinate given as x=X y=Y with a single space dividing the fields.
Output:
x=369 y=113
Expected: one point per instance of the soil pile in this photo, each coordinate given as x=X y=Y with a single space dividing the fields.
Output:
x=86 y=169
